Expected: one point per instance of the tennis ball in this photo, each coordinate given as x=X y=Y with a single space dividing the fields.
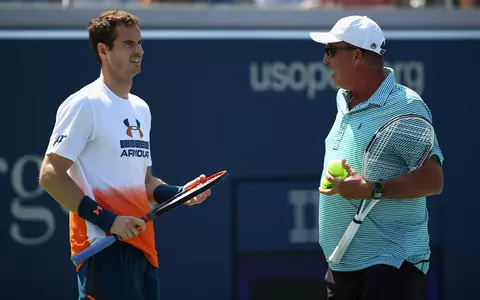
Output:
x=326 y=184
x=335 y=168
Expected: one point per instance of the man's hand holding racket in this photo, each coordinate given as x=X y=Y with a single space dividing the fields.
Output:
x=127 y=227
x=354 y=186
x=200 y=198
x=194 y=192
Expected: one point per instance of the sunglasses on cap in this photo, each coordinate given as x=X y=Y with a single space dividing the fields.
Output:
x=330 y=50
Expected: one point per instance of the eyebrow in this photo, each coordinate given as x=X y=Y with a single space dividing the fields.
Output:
x=131 y=42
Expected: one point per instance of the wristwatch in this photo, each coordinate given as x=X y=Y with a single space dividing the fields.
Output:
x=377 y=191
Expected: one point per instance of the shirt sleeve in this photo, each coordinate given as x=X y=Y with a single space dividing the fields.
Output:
x=74 y=126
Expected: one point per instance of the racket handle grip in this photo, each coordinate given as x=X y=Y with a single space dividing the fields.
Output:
x=93 y=249
x=345 y=241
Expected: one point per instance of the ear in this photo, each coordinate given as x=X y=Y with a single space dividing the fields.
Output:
x=358 y=56
x=102 y=50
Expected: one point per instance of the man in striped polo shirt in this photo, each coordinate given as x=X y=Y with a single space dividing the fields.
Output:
x=388 y=258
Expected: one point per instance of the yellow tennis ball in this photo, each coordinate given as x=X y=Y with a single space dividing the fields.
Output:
x=335 y=168
x=326 y=184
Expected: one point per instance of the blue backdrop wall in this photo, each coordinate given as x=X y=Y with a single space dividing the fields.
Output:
x=267 y=106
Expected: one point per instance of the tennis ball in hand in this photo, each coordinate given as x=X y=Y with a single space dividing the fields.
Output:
x=325 y=184
x=335 y=168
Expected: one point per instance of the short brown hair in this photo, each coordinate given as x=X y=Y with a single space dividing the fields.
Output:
x=103 y=29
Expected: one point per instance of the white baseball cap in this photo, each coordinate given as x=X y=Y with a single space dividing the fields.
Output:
x=359 y=31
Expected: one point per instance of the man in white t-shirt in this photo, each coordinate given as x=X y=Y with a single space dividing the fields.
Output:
x=97 y=165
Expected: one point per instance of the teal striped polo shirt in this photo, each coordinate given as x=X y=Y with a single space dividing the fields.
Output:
x=394 y=230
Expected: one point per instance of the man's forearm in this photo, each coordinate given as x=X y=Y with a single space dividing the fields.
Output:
x=150 y=186
x=159 y=191
x=425 y=181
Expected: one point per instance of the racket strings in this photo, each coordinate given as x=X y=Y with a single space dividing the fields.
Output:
x=367 y=166
x=410 y=129
x=408 y=135
x=380 y=143
x=421 y=132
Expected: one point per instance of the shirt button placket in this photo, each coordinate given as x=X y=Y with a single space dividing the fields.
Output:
x=341 y=131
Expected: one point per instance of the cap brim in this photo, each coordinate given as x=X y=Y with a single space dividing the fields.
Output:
x=324 y=37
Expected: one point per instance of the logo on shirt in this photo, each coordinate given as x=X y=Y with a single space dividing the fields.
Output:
x=59 y=139
x=134 y=147
x=131 y=128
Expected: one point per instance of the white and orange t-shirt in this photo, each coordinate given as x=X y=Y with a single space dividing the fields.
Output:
x=108 y=139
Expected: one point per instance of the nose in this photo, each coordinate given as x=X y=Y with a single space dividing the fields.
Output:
x=139 y=50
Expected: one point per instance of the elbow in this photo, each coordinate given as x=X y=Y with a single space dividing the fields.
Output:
x=437 y=190
x=434 y=177
x=437 y=186
x=45 y=178
x=52 y=171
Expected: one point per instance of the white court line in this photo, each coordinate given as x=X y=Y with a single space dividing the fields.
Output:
x=58 y=34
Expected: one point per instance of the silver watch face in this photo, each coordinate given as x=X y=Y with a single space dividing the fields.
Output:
x=377 y=195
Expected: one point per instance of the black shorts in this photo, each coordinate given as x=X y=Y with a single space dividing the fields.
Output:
x=119 y=272
x=379 y=282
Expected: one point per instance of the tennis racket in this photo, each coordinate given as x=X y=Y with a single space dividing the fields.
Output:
x=160 y=209
x=398 y=147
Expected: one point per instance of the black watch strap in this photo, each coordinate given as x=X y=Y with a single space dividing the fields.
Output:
x=377 y=191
